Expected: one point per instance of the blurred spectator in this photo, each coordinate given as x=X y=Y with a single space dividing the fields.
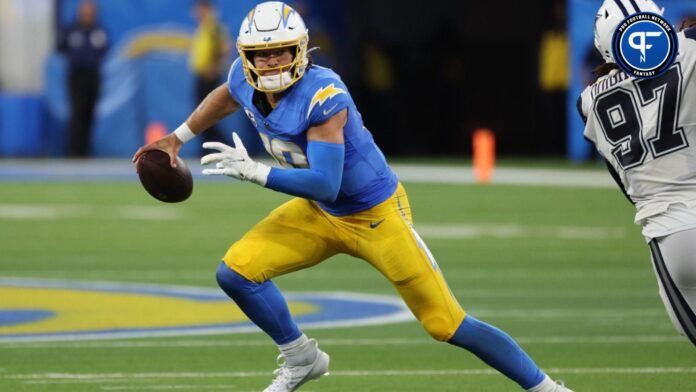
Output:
x=379 y=74
x=554 y=75
x=377 y=87
x=84 y=43
x=209 y=51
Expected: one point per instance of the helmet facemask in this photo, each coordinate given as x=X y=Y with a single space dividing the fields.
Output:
x=283 y=76
x=273 y=25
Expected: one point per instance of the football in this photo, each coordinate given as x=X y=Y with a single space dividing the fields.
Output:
x=163 y=182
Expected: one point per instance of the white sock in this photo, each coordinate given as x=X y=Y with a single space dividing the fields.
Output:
x=298 y=352
x=547 y=384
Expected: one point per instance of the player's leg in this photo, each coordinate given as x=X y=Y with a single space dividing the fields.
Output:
x=292 y=237
x=398 y=252
x=674 y=261
x=264 y=304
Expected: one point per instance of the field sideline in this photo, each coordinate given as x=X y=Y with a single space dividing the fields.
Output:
x=560 y=267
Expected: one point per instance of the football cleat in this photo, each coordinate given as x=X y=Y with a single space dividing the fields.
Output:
x=291 y=378
x=560 y=387
x=549 y=385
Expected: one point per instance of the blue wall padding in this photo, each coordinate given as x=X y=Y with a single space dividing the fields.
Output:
x=56 y=105
x=135 y=92
x=155 y=86
x=21 y=124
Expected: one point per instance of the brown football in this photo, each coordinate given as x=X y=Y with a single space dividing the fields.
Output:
x=163 y=182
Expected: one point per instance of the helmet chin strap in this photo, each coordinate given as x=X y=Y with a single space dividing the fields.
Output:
x=274 y=82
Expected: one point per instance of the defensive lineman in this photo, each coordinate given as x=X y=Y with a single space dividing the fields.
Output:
x=646 y=131
x=349 y=201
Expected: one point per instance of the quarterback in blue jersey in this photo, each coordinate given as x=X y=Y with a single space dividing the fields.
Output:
x=348 y=201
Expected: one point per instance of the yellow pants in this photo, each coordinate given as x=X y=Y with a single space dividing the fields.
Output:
x=299 y=234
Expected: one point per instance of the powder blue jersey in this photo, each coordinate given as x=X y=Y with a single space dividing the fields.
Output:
x=318 y=95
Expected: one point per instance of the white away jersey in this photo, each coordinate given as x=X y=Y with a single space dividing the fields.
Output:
x=646 y=130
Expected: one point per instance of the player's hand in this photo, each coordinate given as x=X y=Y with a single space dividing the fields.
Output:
x=169 y=144
x=234 y=162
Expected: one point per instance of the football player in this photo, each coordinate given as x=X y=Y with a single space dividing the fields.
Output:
x=348 y=201
x=646 y=131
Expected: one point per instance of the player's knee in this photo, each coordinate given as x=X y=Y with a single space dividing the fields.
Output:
x=440 y=328
x=231 y=282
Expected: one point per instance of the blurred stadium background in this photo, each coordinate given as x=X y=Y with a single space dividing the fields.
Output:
x=547 y=251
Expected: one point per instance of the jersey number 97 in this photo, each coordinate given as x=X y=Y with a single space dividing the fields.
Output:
x=619 y=115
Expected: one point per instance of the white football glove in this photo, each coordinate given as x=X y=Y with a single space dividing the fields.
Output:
x=234 y=162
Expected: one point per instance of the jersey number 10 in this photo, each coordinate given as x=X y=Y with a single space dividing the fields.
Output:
x=287 y=154
x=621 y=122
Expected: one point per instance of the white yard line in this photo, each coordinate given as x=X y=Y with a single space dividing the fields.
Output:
x=89 y=381
x=40 y=211
x=551 y=313
x=170 y=387
x=139 y=387
x=29 y=211
x=463 y=231
x=225 y=342
x=341 y=373
x=505 y=176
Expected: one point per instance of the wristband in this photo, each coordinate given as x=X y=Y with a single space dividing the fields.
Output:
x=184 y=133
x=260 y=175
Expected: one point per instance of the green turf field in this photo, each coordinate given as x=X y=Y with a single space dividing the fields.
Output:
x=563 y=270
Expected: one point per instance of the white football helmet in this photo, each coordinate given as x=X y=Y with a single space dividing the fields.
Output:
x=272 y=25
x=610 y=16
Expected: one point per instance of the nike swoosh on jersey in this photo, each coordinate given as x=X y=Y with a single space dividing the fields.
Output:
x=375 y=224
x=322 y=95
x=327 y=111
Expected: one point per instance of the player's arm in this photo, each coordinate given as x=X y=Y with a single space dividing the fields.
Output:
x=325 y=154
x=615 y=175
x=581 y=112
x=321 y=181
x=217 y=105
